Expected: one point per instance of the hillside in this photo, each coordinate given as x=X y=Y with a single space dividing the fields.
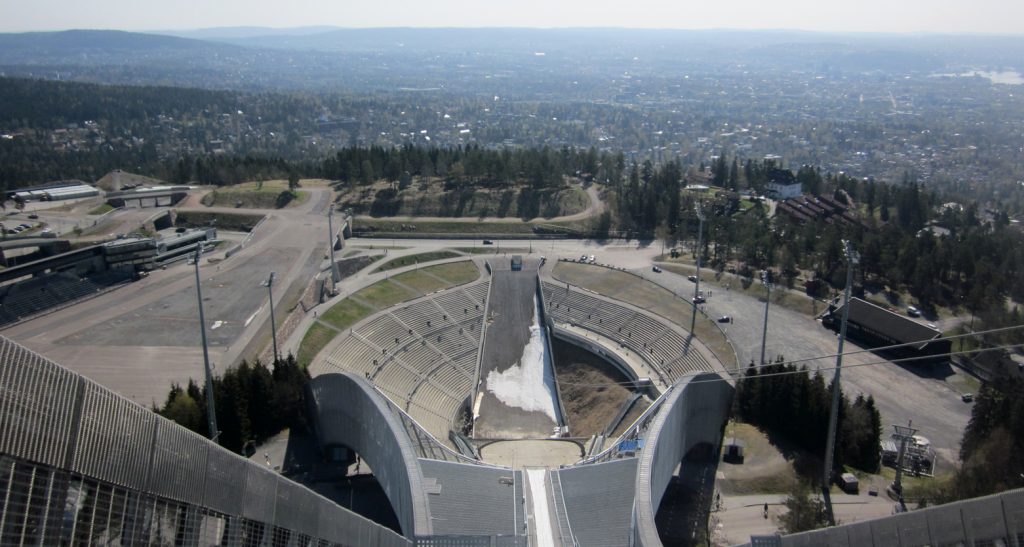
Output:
x=87 y=47
x=118 y=180
x=434 y=200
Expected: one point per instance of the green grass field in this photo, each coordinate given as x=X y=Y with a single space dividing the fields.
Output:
x=346 y=313
x=442 y=276
x=382 y=295
x=420 y=258
x=490 y=250
x=315 y=339
x=456 y=273
x=630 y=288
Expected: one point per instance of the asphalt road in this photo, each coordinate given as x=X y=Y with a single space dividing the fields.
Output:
x=900 y=392
x=141 y=338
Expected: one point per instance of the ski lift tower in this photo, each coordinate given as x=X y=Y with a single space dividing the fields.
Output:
x=905 y=434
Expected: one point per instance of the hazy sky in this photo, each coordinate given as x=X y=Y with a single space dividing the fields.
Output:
x=987 y=16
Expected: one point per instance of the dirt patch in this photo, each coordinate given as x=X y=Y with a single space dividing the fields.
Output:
x=349 y=266
x=591 y=389
x=765 y=468
x=639 y=407
x=222 y=221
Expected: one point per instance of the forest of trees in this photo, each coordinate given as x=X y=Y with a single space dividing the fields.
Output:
x=252 y=403
x=795 y=405
x=992 y=450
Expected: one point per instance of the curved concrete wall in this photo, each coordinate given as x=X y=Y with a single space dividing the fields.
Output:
x=606 y=353
x=350 y=413
x=694 y=413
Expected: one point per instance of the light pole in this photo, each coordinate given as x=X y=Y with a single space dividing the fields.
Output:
x=211 y=412
x=700 y=249
x=335 y=277
x=852 y=259
x=766 y=278
x=269 y=284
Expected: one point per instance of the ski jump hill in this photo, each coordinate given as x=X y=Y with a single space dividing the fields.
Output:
x=517 y=396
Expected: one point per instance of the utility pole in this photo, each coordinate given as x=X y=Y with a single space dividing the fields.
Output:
x=852 y=259
x=904 y=434
x=211 y=412
x=335 y=277
x=766 y=278
x=269 y=284
x=700 y=251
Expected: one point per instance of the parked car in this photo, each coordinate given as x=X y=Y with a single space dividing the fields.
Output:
x=656 y=269
x=912 y=311
x=725 y=319
x=592 y=259
x=967 y=397
x=692 y=278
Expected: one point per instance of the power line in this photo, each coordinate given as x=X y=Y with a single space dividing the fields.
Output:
x=883 y=348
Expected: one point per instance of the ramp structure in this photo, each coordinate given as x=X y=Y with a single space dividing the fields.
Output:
x=517 y=397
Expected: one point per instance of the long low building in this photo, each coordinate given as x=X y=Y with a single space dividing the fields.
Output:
x=878 y=327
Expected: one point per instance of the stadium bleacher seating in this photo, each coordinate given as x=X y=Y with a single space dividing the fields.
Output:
x=428 y=372
x=25 y=299
x=651 y=337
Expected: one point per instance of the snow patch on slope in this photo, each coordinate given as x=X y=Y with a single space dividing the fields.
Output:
x=530 y=383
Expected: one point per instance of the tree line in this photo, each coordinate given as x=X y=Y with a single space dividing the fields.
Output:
x=790 y=402
x=992 y=449
x=252 y=402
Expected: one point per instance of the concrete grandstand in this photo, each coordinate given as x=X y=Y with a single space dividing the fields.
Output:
x=414 y=391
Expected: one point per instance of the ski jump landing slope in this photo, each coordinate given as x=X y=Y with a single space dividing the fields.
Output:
x=517 y=397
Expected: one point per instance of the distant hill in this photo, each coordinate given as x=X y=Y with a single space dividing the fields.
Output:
x=98 y=47
x=566 y=63
x=235 y=33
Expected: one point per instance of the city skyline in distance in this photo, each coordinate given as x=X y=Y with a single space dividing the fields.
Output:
x=875 y=16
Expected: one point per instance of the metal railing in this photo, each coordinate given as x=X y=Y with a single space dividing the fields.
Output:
x=82 y=465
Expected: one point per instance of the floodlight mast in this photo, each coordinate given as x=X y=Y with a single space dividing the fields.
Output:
x=273 y=325
x=852 y=259
x=766 y=278
x=211 y=412
x=335 y=276
x=700 y=250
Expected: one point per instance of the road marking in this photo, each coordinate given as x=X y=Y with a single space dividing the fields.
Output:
x=253 y=316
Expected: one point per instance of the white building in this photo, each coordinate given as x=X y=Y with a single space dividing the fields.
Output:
x=782 y=185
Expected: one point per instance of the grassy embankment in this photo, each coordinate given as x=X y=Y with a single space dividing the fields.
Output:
x=272 y=194
x=419 y=258
x=379 y=296
x=433 y=198
x=627 y=287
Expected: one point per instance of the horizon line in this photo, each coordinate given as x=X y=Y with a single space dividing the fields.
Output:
x=332 y=28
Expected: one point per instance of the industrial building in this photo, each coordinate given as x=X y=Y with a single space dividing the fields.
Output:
x=878 y=327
